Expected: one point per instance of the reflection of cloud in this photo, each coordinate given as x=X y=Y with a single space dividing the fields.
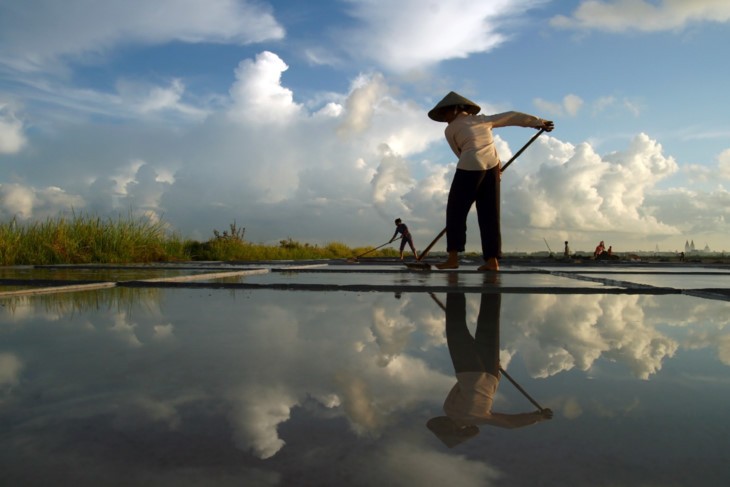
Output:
x=261 y=354
x=601 y=409
x=125 y=330
x=571 y=408
x=372 y=395
x=415 y=465
x=392 y=332
x=358 y=403
x=562 y=332
x=142 y=410
x=723 y=349
x=643 y=350
x=714 y=339
x=163 y=331
x=160 y=411
x=257 y=412
x=10 y=367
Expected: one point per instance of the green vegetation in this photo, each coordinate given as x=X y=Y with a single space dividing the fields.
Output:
x=83 y=239
x=230 y=245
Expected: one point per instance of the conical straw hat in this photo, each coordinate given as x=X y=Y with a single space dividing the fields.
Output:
x=452 y=99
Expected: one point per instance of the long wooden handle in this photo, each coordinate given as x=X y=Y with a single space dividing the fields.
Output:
x=519 y=388
x=534 y=137
x=430 y=246
x=376 y=248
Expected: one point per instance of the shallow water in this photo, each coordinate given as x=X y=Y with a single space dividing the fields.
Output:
x=235 y=386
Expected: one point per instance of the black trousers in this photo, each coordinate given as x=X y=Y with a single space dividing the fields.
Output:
x=468 y=187
x=479 y=353
x=407 y=240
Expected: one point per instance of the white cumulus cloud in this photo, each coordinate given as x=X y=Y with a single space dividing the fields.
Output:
x=12 y=138
x=583 y=189
x=25 y=202
x=413 y=34
x=570 y=105
x=643 y=15
x=258 y=95
x=40 y=35
x=723 y=164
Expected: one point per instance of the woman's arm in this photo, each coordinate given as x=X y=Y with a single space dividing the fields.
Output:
x=519 y=119
x=511 y=421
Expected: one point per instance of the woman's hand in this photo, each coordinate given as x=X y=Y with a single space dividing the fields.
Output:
x=546 y=413
x=547 y=125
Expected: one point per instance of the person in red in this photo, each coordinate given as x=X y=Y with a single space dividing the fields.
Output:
x=600 y=249
x=477 y=368
x=406 y=238
x=477 y=177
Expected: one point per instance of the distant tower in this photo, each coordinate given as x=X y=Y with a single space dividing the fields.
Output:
x=707 y=248
x=686 y=246
x=692 y=246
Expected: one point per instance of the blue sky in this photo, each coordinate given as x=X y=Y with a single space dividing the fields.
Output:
x=308 y=119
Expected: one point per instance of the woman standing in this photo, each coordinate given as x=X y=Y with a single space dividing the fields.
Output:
x=477 y=174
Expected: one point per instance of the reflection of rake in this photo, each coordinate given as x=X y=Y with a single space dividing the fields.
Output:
x=519 y=388
x=504 y=372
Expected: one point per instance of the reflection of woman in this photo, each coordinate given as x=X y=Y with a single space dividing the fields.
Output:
x=476 y=363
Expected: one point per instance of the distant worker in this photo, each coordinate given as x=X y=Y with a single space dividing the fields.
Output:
x=600 y=249
x=401 y=228
x=610 y=250
x=566 y=252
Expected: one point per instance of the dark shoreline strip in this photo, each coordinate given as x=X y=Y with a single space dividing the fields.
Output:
x=400 y=288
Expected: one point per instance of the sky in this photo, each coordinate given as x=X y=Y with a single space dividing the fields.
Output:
x=307 y=120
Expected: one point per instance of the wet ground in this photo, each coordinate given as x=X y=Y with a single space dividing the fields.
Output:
x=326 y=373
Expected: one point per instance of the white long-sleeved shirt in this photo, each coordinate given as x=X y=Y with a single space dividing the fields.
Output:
x=470 y=137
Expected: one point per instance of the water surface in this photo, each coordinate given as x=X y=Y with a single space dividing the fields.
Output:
x=205 y=386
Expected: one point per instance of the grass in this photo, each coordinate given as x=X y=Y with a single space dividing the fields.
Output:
x=83 y=239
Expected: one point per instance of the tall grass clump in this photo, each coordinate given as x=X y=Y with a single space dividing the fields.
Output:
x=230 y=245
x=82 y=239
